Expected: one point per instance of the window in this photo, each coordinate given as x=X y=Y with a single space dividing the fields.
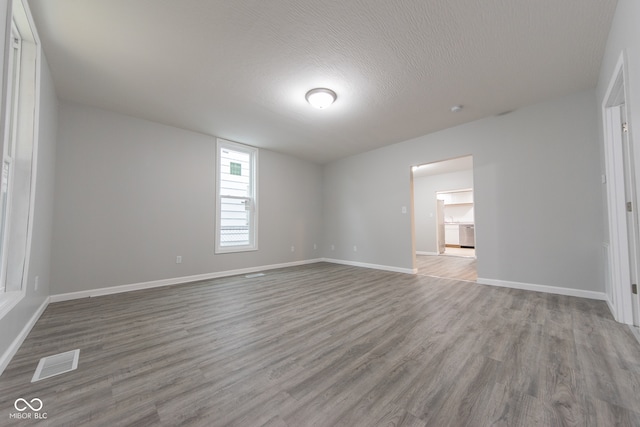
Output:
x=18 y=151
x=236 y=205
x=8 y=149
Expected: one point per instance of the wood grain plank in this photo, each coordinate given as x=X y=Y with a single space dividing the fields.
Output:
x=325 y=344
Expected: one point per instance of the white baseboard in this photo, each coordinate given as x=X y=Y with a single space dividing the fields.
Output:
x=544 y=288
x=208 y=276
x=636 y=333
x=374 y=266
x=612 y=308
x=426 y=253
x=173 y=281
x=17 y=342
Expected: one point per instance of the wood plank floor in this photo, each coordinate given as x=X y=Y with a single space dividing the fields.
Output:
x=450 y=267
x=331 y=345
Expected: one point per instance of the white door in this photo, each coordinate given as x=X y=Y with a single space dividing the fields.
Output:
x=440 y=222
x=631 y=209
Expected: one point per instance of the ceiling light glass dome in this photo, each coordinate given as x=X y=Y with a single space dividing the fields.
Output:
x=321 y=97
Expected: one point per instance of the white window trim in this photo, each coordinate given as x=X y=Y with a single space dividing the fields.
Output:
x=10 y=299
x=9 y=145
x=253 y=228
x=21 y=15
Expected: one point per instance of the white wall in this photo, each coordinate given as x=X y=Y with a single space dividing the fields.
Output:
x=131 y=195
x=536 y=188
x=424 y=202
x=4 y=32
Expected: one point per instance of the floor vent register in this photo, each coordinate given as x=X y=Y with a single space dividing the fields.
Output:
x=56 y=364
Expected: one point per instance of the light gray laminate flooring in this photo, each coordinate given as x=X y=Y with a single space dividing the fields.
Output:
x=331 y=345
x=450 y=267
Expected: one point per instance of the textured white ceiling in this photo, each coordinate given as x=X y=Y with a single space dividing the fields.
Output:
x=239 y=69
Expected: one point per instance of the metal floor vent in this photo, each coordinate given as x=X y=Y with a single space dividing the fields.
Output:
x=251 y=276
x=57 y=364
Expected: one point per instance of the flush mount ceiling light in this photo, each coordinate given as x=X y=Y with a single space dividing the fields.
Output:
x=321 y=97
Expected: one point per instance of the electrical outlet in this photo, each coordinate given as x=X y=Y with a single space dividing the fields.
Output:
x=404 y=209
x=37 y=283
x=315 y=246
x=178 y=259
x=293 y=248
x=355 y=248
x=333 y=247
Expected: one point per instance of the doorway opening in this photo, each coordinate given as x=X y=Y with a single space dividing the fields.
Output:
x=456 y=224
x=444 y=221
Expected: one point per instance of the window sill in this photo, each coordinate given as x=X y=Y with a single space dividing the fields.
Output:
x=8 y=300
x=235 y=249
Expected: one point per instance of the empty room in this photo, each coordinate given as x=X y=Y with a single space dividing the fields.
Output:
x=217 y=213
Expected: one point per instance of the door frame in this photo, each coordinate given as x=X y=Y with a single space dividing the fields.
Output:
x=618 y=288
x=440 y=242
x=412 y=170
